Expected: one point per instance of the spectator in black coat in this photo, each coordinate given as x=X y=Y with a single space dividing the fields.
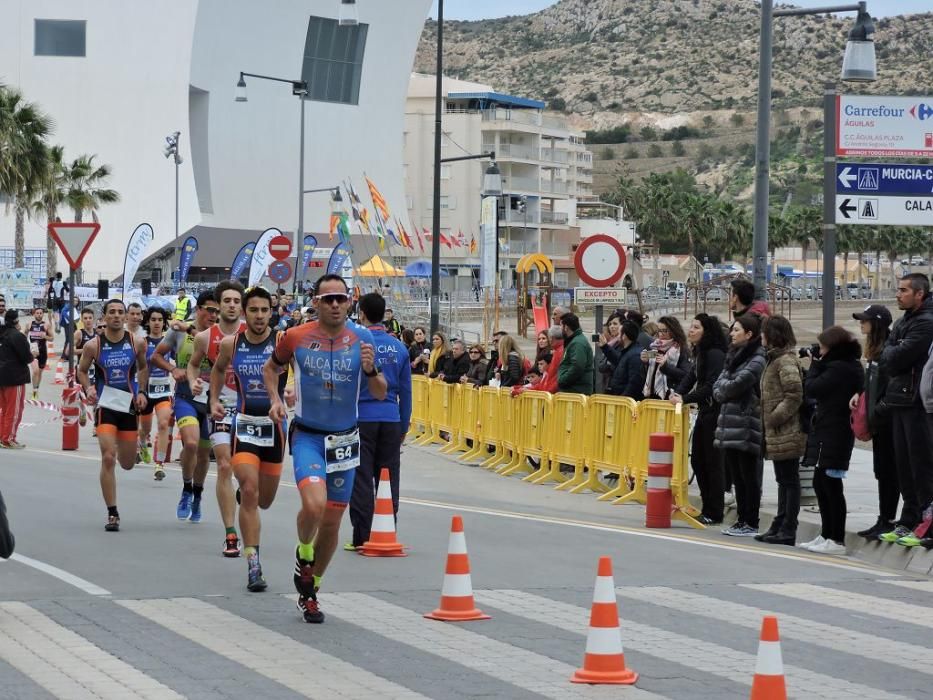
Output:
x=628 y=377
x=15 y=361
x=709 y=352
x=418 y=352
x=832 y=379
x=455 y=364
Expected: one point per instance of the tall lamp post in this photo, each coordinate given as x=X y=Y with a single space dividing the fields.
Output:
x=858 y=65
x=335 y=198
x=436 y=214
x=171 y=151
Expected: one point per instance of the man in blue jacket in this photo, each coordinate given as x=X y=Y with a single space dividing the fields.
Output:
x=383 y=424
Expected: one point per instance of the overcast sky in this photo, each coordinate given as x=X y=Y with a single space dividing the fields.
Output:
x=485 y=9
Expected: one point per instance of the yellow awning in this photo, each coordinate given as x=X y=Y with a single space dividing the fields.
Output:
x=377 y=267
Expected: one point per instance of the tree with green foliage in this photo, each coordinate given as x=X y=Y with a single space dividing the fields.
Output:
x=678 y=150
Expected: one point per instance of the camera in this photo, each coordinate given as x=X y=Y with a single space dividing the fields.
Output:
x=812 y=351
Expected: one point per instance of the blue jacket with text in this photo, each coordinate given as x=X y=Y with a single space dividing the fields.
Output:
x=392 y=359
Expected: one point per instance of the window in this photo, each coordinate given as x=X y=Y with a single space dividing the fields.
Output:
x=333 y=60
x=60 y=37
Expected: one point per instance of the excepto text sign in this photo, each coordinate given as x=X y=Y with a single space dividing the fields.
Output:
x=884 y=211
x=602 y=295
x=869 y=125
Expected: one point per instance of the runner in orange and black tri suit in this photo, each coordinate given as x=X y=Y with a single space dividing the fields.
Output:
x=258 y=442
x=120 y=361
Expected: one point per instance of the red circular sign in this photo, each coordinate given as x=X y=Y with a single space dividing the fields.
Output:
x=280 y=271
x=280 y=247
x=600 y=260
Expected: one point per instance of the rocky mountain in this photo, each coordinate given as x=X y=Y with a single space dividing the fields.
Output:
x=608 y=60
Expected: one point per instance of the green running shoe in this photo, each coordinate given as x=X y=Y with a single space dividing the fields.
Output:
x=145 y=454
x=910 y=540
x=895 y=534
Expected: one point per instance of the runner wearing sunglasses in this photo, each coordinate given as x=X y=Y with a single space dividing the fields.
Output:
x=329 y=357
x=191 y=416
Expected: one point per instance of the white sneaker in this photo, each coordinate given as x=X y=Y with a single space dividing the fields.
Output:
x=828 y=547
x=812 y=543
x=728 y=499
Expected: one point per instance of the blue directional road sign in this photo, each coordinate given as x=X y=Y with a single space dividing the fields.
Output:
x=884 y=179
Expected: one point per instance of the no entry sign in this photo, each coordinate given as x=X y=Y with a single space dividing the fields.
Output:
x=600 y=260
x=280 y=247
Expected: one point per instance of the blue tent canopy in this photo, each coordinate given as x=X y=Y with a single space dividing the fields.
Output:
x=421 y=268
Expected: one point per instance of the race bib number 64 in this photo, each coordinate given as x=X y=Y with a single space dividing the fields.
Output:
x=342 y=452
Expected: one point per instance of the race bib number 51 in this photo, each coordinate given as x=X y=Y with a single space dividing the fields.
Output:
x=255 y=430
x=342 y=452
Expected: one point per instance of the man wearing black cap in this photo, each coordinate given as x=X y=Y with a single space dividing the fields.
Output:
x=903 y=359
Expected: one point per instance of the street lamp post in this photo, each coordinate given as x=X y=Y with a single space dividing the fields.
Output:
x=335 y=198
x=171 y=150
x=436 y=214
x=300 y=90
x=858 y=65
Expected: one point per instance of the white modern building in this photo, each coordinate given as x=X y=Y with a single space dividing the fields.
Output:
x=118 y=77
x=546 y=170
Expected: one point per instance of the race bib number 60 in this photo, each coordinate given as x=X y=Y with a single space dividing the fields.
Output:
x=342 y=452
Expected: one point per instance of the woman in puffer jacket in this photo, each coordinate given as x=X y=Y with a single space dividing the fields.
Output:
x=831 y=380
x=785 y=441
x=738 y=430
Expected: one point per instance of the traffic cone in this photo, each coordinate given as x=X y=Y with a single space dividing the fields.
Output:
x=604 y=660
x=457 y=604
x=769 y=668
x=59 y=373
x=382 y=541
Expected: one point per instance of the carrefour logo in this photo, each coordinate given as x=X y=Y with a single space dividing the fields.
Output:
x=921 y=111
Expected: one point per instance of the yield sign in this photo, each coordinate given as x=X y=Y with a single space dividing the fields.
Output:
x=74 y=240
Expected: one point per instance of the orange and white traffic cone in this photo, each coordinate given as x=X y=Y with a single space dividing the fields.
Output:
x=59 y=373
x=457 y=604
x=604 y=660
x=382 y=541
x=769 y=667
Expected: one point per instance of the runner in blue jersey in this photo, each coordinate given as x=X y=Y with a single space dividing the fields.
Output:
x=119 y=362
x=330 y=358
x=258 y=446
x=160 y=395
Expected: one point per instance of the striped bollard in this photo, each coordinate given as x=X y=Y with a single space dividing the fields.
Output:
x=660 y=499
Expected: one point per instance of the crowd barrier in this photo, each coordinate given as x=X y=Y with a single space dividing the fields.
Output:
x=541 y=437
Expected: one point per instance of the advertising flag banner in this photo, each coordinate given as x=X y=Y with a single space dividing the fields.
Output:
x=307 y=250
x=135 y=252
x=487 y=225
x=242 y=260
x=337 y=258
x=188 y=250
x=261 y=256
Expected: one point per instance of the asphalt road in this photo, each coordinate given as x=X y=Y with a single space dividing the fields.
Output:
x=155 y=611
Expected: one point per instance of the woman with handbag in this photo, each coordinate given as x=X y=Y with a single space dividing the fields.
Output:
x=785 y=441
x=831 y=380
x=875 y=322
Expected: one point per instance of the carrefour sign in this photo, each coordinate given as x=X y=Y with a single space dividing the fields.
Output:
x=868 y=125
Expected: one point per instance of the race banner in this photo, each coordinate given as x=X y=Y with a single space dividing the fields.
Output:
x=135 y=252
x=242 y=260
x=188 y=250
x=307 y=250
x=337 y=259
x=261 y=256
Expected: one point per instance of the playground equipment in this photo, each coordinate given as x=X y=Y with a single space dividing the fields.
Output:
x=534 y=300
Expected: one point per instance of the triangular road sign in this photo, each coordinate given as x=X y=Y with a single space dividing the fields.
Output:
x=74 y=240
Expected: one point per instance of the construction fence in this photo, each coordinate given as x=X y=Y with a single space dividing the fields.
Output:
x=536 y=433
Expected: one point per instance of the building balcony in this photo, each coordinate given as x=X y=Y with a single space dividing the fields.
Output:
x=550 y=156
x=510 y=151
x=554 y=217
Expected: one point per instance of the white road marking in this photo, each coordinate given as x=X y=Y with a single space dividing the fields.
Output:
x=61 y=575
x=922 y=586
x=66 y=664
x=876 y=605
x=841 y=639
x=685 y=539
x=297 y=666
x=510 y=664
x=715 y=659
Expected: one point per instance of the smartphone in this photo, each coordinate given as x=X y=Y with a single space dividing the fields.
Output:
x=595 y=337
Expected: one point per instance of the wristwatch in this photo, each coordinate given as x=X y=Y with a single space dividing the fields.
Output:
x=375 y=373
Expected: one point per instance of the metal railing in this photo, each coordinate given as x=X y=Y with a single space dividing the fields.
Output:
x=554 y=217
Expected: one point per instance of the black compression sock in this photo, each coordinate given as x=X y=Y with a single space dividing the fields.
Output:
x=112 y=510
x=198 y=490
x=188 y=487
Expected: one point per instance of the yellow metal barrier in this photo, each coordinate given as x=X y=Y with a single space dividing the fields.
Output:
x=570 y=413
x=442 y=401
x=487 y=412
x=530 y=424
x=610 y=427
x=420 y=409
x=497 y=431
x=466 y=420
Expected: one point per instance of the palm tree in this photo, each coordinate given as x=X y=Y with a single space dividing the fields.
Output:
x=53 y=192
x=805 y=227
x=86 y=191
x=23 y=155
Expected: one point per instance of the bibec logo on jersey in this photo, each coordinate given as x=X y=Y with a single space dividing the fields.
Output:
x=333 y=369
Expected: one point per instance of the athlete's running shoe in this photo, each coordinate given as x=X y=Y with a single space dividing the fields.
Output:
x=231 y=546
x=350 y=547
x=255 y=580
x=307 y=594
x=184 y=505
x=35 y=394
x=14 y=445
x=145 y=454
x=310 y=609
x=113 y=523
x=195 y=510
x=159 y=473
